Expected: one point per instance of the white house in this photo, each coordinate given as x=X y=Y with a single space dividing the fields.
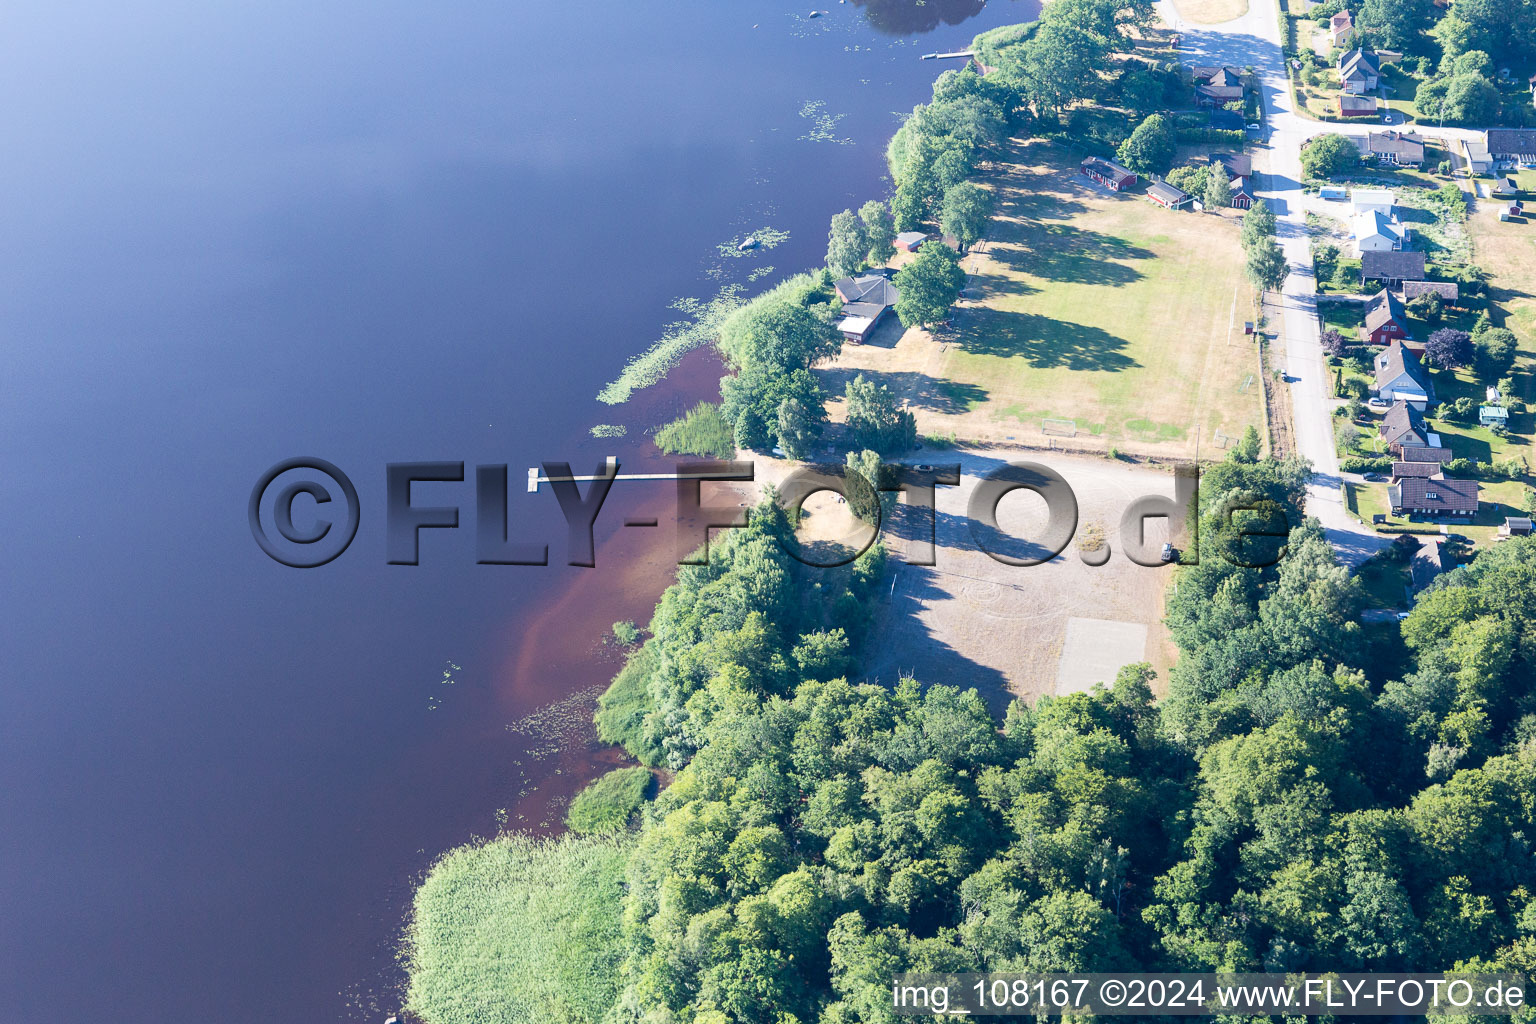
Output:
x=1358 y=71
x=1376 y=232
x=1474 y=153
x=1368 y=200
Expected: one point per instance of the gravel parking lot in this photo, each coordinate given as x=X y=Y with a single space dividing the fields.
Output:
x=1012 y=630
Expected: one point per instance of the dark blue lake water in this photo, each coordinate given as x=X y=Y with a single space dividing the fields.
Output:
x=369 y=232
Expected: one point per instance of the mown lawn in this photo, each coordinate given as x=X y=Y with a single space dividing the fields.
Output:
x=1107 y=310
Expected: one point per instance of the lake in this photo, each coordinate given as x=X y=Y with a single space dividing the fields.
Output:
x=371 y=233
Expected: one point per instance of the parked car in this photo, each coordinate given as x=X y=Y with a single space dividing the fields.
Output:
x=1167 y=553
x=1377 y=402
x=1374 y=478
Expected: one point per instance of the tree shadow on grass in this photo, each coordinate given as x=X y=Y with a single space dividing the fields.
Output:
x=1062 y=252
x=1044 y=342
x=919 y=389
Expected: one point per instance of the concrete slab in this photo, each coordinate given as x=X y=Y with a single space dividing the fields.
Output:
x=1095 y=650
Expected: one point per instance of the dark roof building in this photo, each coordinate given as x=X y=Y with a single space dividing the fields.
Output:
x=1351 y=105
x=1432 y=455
x=1436 y=497
x=1423 y=469
x=1404 y=425
x=1215 y=86
x=1108 y=173
x=1517 y=144
x=1168 y=196
x=866 y=300
x=1405 y=149
x=1238 y=165
x=1385 y=319
x=1391 y=267
x=1449 y=291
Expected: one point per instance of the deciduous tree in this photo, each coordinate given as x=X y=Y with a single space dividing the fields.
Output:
x=847 y=244
x=929 y=285
x=967 y=209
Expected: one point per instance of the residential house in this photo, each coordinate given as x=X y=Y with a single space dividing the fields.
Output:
x=1351 y=105
x=866 y=301
x=1371 y=200
x=1427 y=563
x=1449 y=291
x=1340 y=26
x=1242 y=192
x=1423 y=469
x=908 y=241
x=1391 y=268
x=1359 y=72
x=1493 y=416
x=1402 y=378
x=1109 y=174
x=1218 y=86
x=1168 y=196
x=1376 y=232
x=1474 y=155
x=1432 y=455
x=1403 y=428
x=1401 y=149
x=1512 y=147
x=1434 y=498
x=1238 y=165
x=1386 y=320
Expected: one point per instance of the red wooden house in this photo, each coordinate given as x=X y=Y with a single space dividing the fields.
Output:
x=1385 y=319
x=1110 y=175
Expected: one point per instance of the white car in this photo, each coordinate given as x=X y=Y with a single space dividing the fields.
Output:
x=1377 y=402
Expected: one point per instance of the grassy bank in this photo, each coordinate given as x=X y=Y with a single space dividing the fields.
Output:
x=519 y=930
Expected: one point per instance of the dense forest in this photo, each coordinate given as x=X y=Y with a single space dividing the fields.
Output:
x=1282 y=808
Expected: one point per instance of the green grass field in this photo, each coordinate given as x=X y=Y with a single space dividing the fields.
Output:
x=1107 y=310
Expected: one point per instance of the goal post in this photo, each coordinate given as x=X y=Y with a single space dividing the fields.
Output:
x=1058 y=427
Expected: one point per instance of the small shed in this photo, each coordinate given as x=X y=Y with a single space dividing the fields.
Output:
x=908 y=241
x=1515 y=526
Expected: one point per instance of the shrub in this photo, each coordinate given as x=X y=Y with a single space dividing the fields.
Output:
x=1360 y=464
x=626 y=633
x=607 y=804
